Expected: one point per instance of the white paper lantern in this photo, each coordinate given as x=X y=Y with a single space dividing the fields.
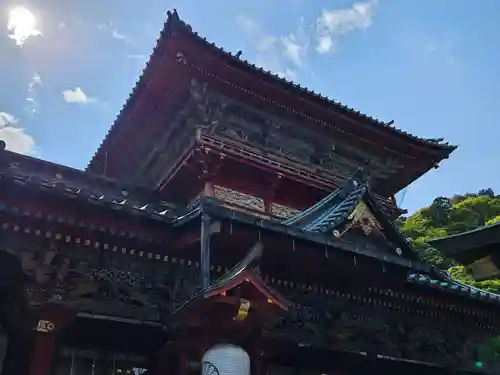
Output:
x=226 y=359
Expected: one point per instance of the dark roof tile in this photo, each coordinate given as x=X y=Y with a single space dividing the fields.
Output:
x=76 y=184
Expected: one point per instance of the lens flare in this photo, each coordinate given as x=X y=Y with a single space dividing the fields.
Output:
x=22 y=25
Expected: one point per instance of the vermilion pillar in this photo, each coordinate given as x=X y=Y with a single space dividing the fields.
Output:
x=183 y=362
x=173 y=359
x=163 y=365
x=51 y=321
x=41 y=360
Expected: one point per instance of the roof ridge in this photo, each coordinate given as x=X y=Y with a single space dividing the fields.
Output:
x=173 y=21
x=174 y=17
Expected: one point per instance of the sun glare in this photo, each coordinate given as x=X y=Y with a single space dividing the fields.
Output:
x=22 y=25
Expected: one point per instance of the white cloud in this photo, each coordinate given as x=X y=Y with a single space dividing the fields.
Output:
x=114 y=32
x=292 y=49
x=324 y=43
x=272 y=52
x=332 y=24
x=15 y=137
x=249 y=25
x=21 y=25
x=36 y=79
x=117 y=35
x=289 y=73
x=31 y=100
x=7 y=119
x=444 y=50
x=295 y=45
x=77 y=96
x=137 y=56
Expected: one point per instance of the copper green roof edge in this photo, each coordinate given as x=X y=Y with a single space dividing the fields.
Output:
x=305 y=215
x=436 y=241
x=447 y=284
x=174 y=17
x=216 y=208
x=329 y=213
x=339 y=212
x=313 y=217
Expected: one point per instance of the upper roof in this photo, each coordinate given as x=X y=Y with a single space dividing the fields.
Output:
x=280 y=93
x=469 y=246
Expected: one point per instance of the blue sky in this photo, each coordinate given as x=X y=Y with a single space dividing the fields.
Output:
x=432 y=66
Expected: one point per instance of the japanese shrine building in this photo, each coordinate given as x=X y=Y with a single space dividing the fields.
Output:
x=229 y=217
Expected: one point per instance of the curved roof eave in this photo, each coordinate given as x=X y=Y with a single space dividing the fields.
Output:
x=173 y=22
x=174 y=19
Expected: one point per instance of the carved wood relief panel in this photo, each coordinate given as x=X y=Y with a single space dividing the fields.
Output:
x=102 y=281
x=342 y=324
x=222 y=116
x=283 y=211
x=238 y=198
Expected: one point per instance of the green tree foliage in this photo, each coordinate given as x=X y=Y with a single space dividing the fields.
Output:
x=494 y=220
x=447 y=216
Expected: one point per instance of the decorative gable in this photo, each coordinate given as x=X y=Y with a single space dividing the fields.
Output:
x=360 y=217
x=352 y=214
x=362 y=228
